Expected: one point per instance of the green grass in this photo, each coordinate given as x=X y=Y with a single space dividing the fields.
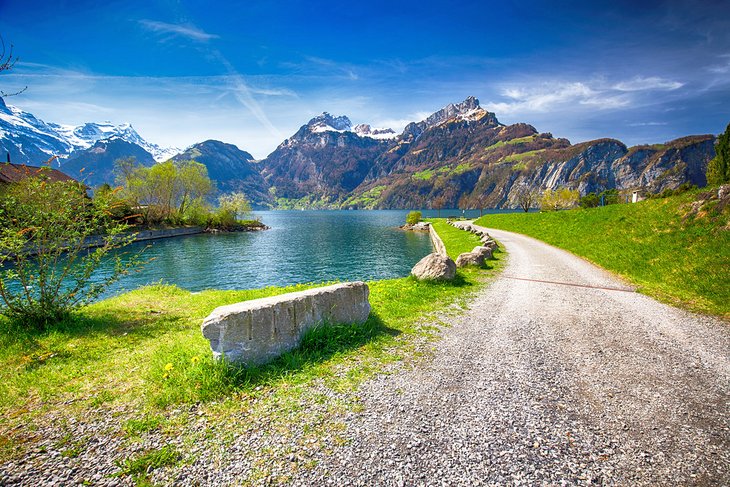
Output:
x=424 y=175
x=459 y=241
x=660 y=245
x=520 y=157
x=366 y=199
x=141 y=356
x=138 y=467
x=517 y=141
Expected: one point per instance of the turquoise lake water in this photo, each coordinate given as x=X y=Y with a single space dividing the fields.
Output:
x=300 y=247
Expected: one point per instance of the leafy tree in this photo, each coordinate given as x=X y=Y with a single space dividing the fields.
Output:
x=559 y=199
x=165 y=191
x=591 y=200
x=527 y=197
x=231 y=209
x=192 y=183
x=718 y=169
x=413 y=217
x=45 y=266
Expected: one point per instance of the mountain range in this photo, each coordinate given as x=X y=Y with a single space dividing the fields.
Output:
x=459 y=154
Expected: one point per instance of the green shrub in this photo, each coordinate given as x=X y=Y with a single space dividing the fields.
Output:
x=45 y=267
x=413 y=217
x=718 y=169
x=591 y=200
x=559 y=199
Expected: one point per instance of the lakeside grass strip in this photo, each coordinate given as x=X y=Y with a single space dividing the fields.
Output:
x=459 y=241
x=658 y=245
x=143 y=353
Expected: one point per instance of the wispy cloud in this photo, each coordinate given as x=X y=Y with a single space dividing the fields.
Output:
x=648 y=124
x=244 y=95
x=549 y=96
x=184 y=30
x=723 y=67
x=325 y=66
x=640 y=83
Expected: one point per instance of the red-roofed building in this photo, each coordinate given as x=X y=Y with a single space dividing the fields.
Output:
x=14 y=173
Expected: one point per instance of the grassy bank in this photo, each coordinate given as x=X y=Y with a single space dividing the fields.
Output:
x=459 y=241
x=141 y=359
x=674 y=249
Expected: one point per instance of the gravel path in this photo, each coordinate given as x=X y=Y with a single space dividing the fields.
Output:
x=549 y=383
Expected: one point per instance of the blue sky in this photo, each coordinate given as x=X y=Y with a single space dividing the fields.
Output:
x=250 y=73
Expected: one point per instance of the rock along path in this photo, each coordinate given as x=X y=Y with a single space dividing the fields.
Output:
x=572 y=380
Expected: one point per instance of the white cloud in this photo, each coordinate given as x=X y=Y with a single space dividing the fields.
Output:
x=184 y=30
x=648 y=124
x=549 y=96
x=640 y=83
x=722 y=68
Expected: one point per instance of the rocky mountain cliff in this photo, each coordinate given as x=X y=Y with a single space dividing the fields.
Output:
x=323 y=162
x=459 y=153
x=463 y=152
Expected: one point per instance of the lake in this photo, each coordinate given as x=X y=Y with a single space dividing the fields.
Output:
x=300 y=247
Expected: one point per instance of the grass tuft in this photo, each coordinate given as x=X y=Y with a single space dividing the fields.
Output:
x=143 y=464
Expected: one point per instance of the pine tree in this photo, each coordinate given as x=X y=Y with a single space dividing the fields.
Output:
x=718 y=169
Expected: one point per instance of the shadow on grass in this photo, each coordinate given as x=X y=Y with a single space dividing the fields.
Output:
x=79 y=324
x=215 y=379
x=319 y=344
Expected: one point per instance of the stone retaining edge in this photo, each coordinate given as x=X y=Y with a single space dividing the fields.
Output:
x=438 y=244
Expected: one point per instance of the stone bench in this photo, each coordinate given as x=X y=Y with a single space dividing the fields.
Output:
x=257 y=331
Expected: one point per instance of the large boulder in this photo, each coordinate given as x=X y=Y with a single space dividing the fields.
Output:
x=434 y=267
x=470 y=258
x=257 y=331
x=489 y=243
x=486 y=252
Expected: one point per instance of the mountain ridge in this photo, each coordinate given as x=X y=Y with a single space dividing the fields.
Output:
x=458 y=154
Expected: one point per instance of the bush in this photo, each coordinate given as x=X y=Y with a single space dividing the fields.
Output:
x=413 y=217
x=231 y=209
x=45 y=265
x=718 y=169
x=591 y=200
x=559 y=199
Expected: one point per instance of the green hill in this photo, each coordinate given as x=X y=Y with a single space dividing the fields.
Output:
x=676 y=249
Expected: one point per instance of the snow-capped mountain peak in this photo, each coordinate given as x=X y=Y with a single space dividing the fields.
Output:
x=329 y=123
x=30 y=140
x=365 y=130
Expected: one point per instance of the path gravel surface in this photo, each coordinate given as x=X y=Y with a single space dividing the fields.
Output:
x=559 y=374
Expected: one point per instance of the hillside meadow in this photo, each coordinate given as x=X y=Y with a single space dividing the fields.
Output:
x=676 y=249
